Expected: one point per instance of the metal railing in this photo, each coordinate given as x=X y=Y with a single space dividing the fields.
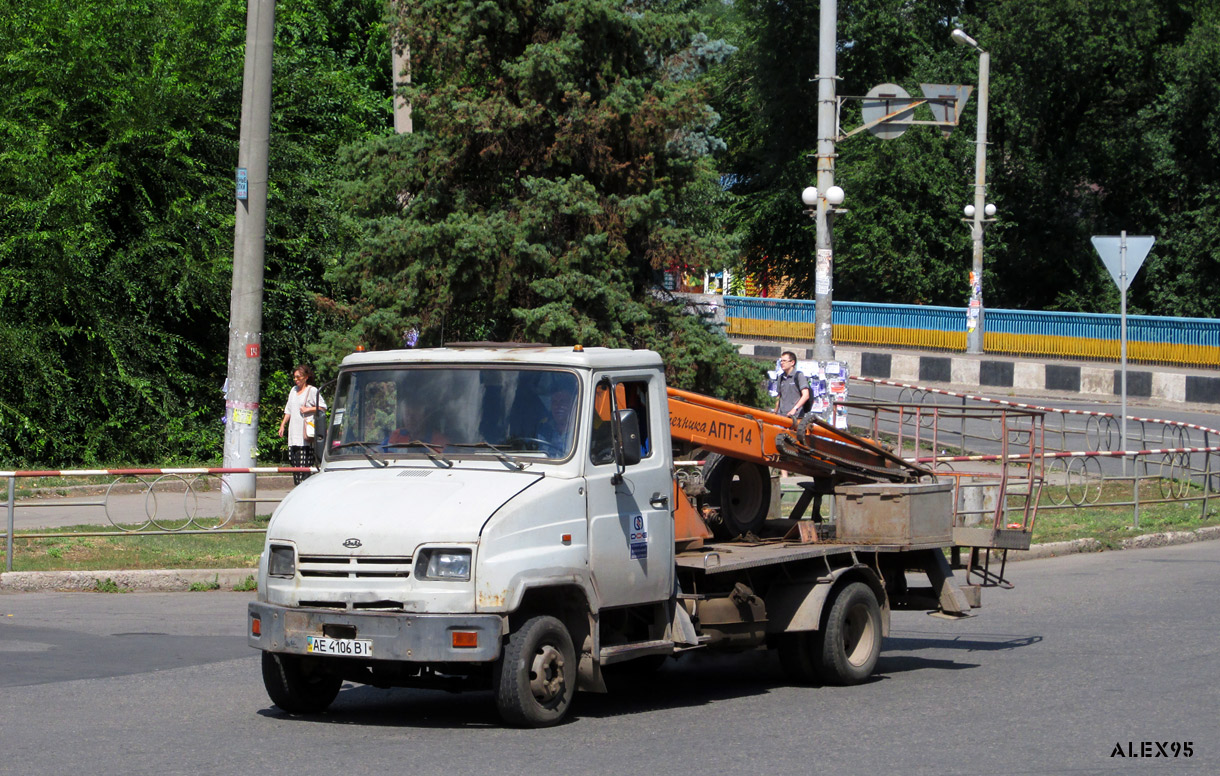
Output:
x=1077 y=452
x=174 y=501
x=1001 y=455
x=1191 y=342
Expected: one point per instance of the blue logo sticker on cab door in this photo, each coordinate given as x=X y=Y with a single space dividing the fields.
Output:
x=638 y=539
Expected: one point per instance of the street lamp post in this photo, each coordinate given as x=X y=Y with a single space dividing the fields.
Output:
x=823 y=292
x=974 y=336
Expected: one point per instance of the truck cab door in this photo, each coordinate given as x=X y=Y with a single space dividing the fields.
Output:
x=631 y=539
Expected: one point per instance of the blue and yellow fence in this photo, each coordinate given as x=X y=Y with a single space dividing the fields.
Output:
x=1192 y=342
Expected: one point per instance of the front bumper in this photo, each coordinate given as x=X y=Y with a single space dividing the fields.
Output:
x=416 y=638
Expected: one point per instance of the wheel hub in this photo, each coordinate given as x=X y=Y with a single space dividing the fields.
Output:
x=546 y=674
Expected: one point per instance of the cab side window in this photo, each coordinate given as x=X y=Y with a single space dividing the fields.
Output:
x=628 y=395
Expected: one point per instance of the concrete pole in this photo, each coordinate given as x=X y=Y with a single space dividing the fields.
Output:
x=400 y=59
x=974 y=339
x=249 y=236
x=823 y=343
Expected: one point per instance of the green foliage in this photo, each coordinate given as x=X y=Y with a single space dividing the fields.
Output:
x=272 y=448
x=540 y=191
x=566 y=151
x=118 y=139
x=205 y=586
x=901 y=239
x=1181 y=131
x=247 y=585
x=1103 y=117
x=108 y=585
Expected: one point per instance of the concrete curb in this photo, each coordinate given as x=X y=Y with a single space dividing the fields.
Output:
x=1172 y=537
x=1165 y=539
x=144 y=580
x=179 y=580
x=1056 y=549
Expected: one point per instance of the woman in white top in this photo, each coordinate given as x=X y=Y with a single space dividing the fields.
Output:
x=304 y=401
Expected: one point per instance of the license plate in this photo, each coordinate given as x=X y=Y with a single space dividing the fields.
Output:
x=346 y=647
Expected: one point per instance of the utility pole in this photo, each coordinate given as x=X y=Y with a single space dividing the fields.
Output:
x=823 y=344
x=400 y=61
x=978 y=211
x=249 y=238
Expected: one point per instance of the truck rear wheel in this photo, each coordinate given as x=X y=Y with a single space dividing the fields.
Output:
x=850 y=640
x=742 y=492
x=295 y=688
x=535 y=678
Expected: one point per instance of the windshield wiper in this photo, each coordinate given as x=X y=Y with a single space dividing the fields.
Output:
x=503 y=456
x=430 y=450
x=369 y=453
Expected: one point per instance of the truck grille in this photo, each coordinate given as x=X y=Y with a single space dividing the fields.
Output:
x=374 y=606
x=353 y=567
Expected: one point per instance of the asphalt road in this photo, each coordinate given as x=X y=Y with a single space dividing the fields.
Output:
x=1088 y=653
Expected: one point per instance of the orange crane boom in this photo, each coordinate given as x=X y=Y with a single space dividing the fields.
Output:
x=810 y=446
x=734 y=493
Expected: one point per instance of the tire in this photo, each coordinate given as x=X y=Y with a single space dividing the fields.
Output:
x=535 y=678
x=850 y=639
x=742 y=492
x=295 y=688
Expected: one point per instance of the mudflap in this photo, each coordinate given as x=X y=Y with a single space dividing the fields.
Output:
x=954 y=601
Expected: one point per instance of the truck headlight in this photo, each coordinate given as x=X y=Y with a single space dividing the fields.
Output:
x=283 y=561
x=445 y=564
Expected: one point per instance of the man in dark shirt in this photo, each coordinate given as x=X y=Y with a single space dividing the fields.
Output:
x=793 y=388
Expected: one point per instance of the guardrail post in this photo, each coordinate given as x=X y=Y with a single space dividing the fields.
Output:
x=8 y=542
x=1207 y=474
x=1135 y=482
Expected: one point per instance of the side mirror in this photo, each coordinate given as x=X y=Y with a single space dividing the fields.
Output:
x=629 y=423
x=319 y=441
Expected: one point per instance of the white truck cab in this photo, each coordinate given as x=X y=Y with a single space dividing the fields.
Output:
x=456 y=484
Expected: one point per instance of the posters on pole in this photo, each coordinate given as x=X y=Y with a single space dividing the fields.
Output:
x=976 y=302
x=821 y=279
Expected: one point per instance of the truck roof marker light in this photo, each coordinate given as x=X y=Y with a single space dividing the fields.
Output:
x=360 y=348
x=578 y=348
x=465 y=639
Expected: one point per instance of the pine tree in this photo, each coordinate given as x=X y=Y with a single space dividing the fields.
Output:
x=558 y=147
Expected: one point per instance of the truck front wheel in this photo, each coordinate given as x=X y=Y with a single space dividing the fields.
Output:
x=294 y=687
x=535 y=678
x=850 y=640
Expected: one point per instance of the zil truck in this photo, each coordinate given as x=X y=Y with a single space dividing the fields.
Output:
x=528 y=520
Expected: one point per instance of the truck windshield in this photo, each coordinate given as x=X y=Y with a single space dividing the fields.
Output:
x=426 y=411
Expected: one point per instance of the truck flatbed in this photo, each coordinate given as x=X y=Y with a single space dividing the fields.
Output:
x=720 y=557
